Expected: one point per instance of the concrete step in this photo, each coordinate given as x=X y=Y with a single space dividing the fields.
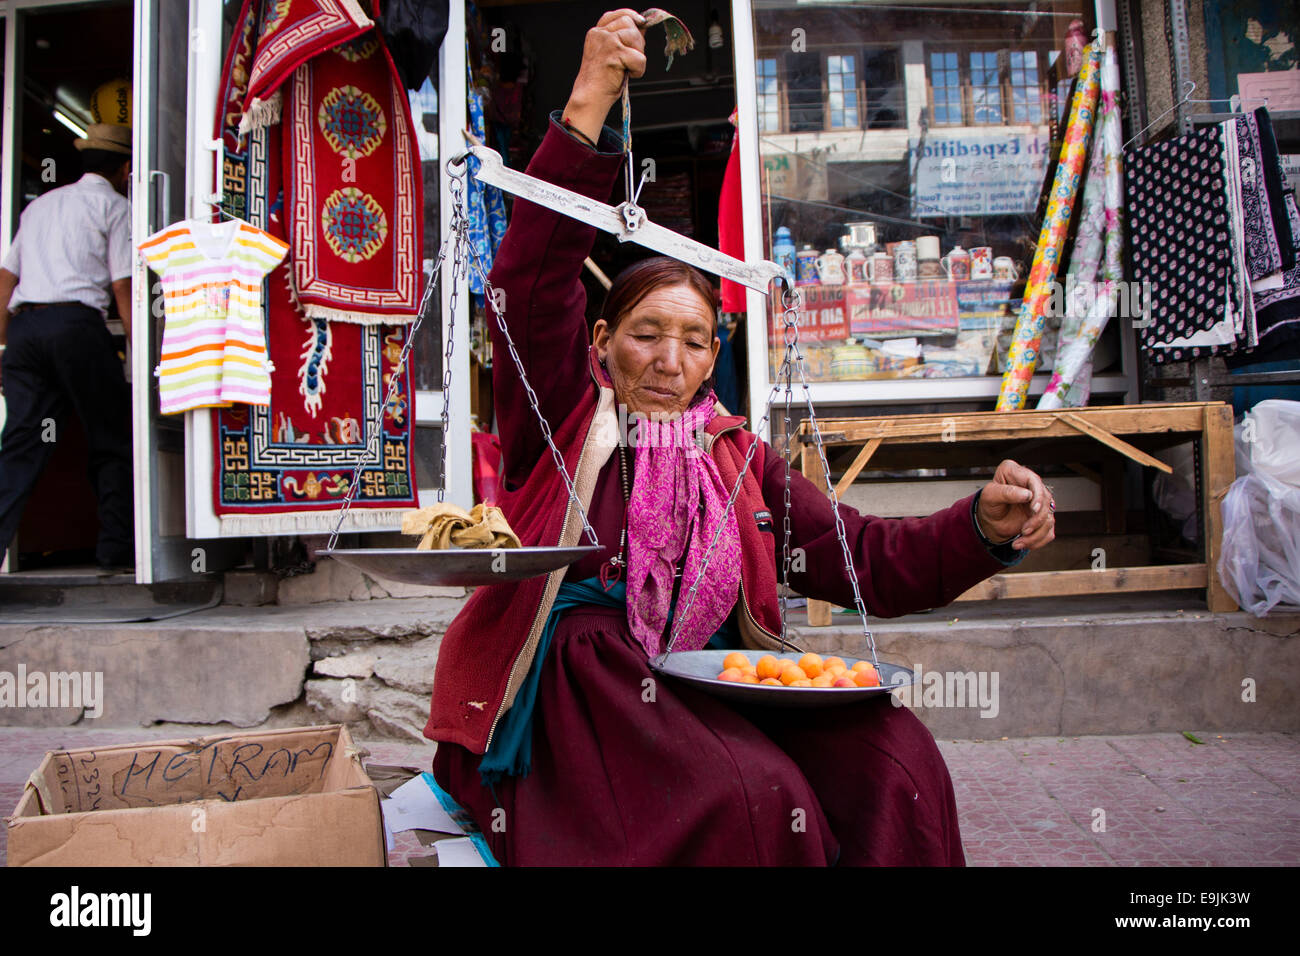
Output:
x=116 y=595
x=233 y=665
x=1129 y=663
x=1118 y=664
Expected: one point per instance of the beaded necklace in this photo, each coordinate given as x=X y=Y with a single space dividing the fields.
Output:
x=611 y=572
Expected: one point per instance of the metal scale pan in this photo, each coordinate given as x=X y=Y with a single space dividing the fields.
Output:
x=700 y=670
x=457 y=567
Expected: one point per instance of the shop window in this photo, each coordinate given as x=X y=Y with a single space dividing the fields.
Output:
x=769 y=101
x=945 y=87
x=1026 y=95
x=885 y=96
x=842 y=91
x=911 y=240
x=805 y=109
x=985 y=87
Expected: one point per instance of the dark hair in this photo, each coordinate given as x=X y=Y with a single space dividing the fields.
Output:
x=644 y=276
x=105 y=162
x=641 y=278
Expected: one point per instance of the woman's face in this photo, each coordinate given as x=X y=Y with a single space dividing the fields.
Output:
x=661 y=352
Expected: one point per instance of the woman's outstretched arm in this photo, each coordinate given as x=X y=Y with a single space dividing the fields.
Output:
x=903 y=565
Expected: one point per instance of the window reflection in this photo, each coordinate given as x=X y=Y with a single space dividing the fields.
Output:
x=905 y=150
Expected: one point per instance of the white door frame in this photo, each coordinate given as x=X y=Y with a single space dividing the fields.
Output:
x=205 y=76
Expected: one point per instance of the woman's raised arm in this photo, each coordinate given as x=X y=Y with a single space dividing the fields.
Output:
x=538 y=268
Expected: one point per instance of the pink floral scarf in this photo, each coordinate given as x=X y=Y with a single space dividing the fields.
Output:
x=678 y=500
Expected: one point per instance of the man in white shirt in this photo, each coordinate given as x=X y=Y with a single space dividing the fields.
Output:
x=73 y=245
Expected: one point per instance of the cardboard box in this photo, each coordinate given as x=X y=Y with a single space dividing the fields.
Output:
x=295 y=797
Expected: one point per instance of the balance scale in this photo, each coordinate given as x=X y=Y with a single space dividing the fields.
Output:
x=465 y=567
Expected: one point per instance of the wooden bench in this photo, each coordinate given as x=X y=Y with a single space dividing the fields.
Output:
x=968 y=439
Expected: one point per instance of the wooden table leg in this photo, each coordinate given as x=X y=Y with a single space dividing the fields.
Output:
x=1218 y=471
x=819 y=612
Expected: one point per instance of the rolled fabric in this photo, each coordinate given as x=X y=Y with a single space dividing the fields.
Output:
x=1087 y=314
x=449 y=526
x=1051 y=238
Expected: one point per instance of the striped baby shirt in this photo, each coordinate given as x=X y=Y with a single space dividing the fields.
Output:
x=214 y=339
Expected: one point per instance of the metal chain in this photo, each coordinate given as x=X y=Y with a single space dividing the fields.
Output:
x=790 y=335
x=498 y=306
x=460 y=227
x=840 y=531
x=789 y=297
x=459 y=270
x=793 y=357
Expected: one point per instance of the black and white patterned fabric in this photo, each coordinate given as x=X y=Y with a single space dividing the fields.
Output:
x=1176 y=196
x=1263 y=255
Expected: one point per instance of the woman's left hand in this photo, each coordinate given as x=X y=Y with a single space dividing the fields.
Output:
x=1016 y=504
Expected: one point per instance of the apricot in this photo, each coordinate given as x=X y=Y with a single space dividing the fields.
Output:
x=735 y=659
x=804 y=682
x=861 y=666
x=834 y=662
x=867 y=677
x=770 y=680
x=844 y=681
x=731 y=674
x=768 y=666
x=749 y=678
x=793 y=673
x=811 y=664
x=823 y=680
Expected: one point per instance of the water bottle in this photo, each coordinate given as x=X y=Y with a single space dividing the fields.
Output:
x=783 y=252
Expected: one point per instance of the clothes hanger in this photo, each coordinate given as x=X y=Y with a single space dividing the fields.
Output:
x=1234 y=102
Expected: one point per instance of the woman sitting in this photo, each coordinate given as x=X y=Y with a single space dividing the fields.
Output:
x=553 y=730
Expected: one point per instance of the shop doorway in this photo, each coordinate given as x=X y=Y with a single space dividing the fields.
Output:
x=62 y=57
x=524 y=57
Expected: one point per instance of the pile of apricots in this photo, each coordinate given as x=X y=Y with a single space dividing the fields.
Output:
x=811 y=670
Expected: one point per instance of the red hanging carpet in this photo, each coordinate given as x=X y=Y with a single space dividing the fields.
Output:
x=288 y=33
x=353 y=198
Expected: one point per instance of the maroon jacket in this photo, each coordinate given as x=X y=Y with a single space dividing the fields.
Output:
x=902 y=565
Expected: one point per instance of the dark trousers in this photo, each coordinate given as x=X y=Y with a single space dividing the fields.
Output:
x=59 y=356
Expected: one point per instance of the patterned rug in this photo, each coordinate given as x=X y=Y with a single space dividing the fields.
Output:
x=286 y=467
x=288 y=34
x=351 y=171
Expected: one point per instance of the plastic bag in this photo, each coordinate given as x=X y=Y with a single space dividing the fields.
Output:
x=1260 y=560
x=1268 y=441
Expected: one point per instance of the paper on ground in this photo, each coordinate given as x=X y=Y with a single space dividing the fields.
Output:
x=413 y=806
x=460 y=852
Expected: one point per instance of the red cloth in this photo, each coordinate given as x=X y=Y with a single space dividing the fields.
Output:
x=291 y=32
x=731 y=230
x=487 y=467
x=353 y=196
x=689 y=779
